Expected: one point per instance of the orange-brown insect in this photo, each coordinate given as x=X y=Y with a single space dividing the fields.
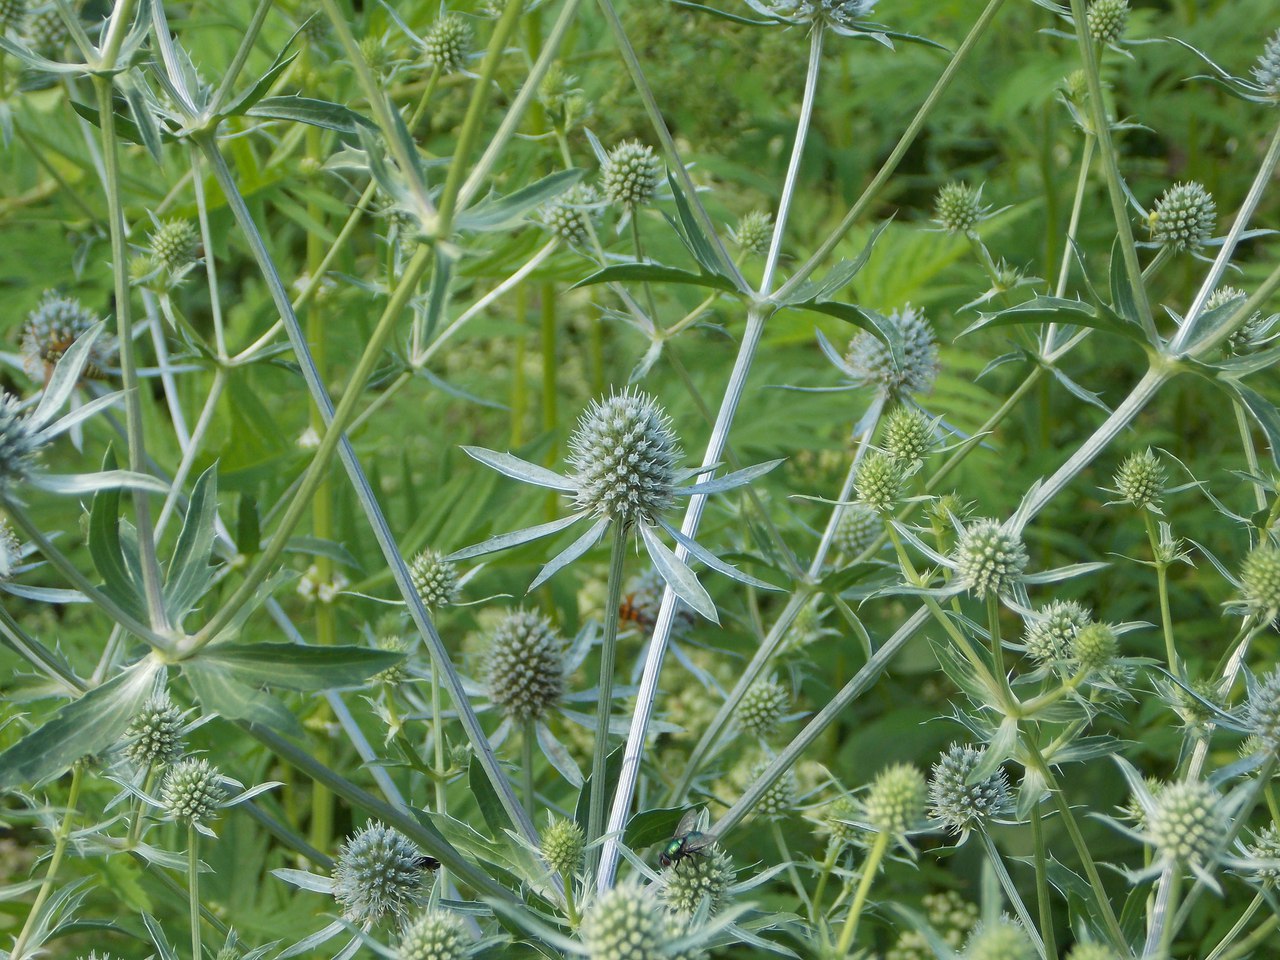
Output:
x=629 y=612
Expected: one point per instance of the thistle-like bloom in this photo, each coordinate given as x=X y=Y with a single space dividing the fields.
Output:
x=378 y=873
x=878 y=482
x=989 y=558
x=763 y=706
x=176 y=243
x=154 y=736
x=1262 y=710
x=959 y=208
x=52 y=327
x=959 y=804
x=779 y=801
x=1184 y=217
x=1107 y=20
x=1052 y=630
x=895 y=801
x=1260 y=579
x=193 y=792
x=435 y=579
x=1094 y=647
x=909 y=366
x=563 y=842
x=1140 y=481
x=624 y=923
x=704 y=876
x=1266 y=848
x=754 y=231
x=952 y=919
x=629 y=174
x=1005 y=939
x=435 y=934
x=569 y=215
x=908 y=436
x=1266 y=72
x=623 y=470
x=858 y=529
x=447 y=44
x=525 y=666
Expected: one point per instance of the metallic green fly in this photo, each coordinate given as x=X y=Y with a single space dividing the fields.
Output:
x=686 y=841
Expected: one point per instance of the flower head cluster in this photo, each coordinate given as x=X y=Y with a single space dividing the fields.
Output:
x=959 y=208
x=435 y=579
x=952 y=919
x=1094 y=646
x=46 y=32
x=857 y=530
x=447 y=44
x=154 y=736
x=1262 y=711
x=624 y=923
x=10 y=551
x=1266 y=847
x=1140 y=481
x=878 y=482
x=435 y=934
x=895 y=802
x=1260 y=578
x=1050 y=634
x=959 y=804
x=989 y=558
x=377 y=873
x=175 y=243
x=644 y=600
x=1184 y=217
x=1266 y=72
x=908 y=436
x=1107 y=20
x=52 y=327
x=754 y=231
x=629 y=175
x=19 y=441
x=763 y=706
x=569 y=216
x=779 y=801
x=871 y=362
x=1005 y=939
x=705 y=875
x=562 y=846
x=192 y=791
x=526 y=665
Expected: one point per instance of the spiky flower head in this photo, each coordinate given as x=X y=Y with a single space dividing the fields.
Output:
x=175 y=244
x=569 y=216
x=562 y=845
x=1107 y=20
x=1140 y=480
x=1262 y=711
x=763 y=706
x=624 y=456
x=315 y=29
x=1267 y=70
x=448 y=43
x=52 y=327
x=434 y=578
x=1004 y=939
x=1092 y=951
x=10 y=550
x=858 y=529
x=192 y=791
x=11 y=14
x=1187 y=823
x=895 y=803
x=624 y=923
x=838 y=818
x=835 y=13
x=629 y=175
x=1094 y=646
x=989 y=558
x=871 y=361
x=1075 y=86
x=434 y=934
x=1266 y=846
x=1049 y=636
x=779 y=801
x=19 y=442
x=377 y=873
x=525 y=665
x=1260 y=578
x=878 y=482
x=46 y=31
x=154 y=736
x=908 y=436
x=396 y=673
x=678 y=927
x=952 y=918
x=955 y=801
x=644 y=600
x=1184 y=217
x=708 y=874
x=754 y=231
x=959 y=208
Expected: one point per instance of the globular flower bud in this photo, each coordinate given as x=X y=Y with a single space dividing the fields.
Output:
x=154 y=736
x=19 y=442
x=569 y=216
x=838 y=818
x=1184 y=217
x=989 y=559
x=448 y=43
x=707 y=874
x=435 y=934
x=959 y=208
x=1107 y=20
x=1140 y=481
x=1262 y=711
x=376 y=53
x=11 y=14
x=435 y=579
x=763 y=706
x=1075 y=86
x=175 y=244
x=192 y=791
x=858 y=529
x=1094 y=646
x=951 y=917
x=1266 y=846
x=643 y=601
x=872 y=362
x=525 y=666
x=679 y=926
x=896 y=801
x=1260 y=578
x=1188 y=823
x=46 y=31
x=779 y=801
x=878 y=482
x=624 y=456
x=52 y=327
x=1002 y=940
x=1050 y=635
x=629 y=176
x=1266 y=72
x=755 y=230
x=956 y=802
x=562 y=846
x=908 y=436
x=397 y=673
x=377 y=873
x=624 y=923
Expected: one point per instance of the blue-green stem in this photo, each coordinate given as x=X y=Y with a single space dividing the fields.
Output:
x=193 y=888
x=1043 y=900
x=870 y=867
x=55 y=861
x=1162 y=586
x=1011 y=892
x=604 y=701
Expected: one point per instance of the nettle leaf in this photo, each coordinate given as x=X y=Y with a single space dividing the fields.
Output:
x=293 y=666
x=316 y=113
x=503 y=213
x=658 y=273
x=87 y=725
x=652 y=826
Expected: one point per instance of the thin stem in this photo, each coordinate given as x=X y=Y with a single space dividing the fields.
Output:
x=55 y=861
x=1237 y=928
x=193 y=887
x=604 y=701
x=1077 y=204
x=1042 y=881
x=1247 y=945
x=1162 y=585
x=869 y=870
x=834 y=847
x=527 y=739
x=232 y=72
x=1011 y=892
x=784 y=854
x=1251 y=457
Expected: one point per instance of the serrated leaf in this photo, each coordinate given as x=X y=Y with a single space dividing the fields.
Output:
x=220 y=692
x=1041 y=309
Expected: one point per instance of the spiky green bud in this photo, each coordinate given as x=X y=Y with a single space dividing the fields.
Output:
x=896 y=800
x=1002 y=940
x=569 y=216
x=763 y=706
x=959 y=804
x=1266 y=72
x=706 y=875
x=1094 y=646
x=1187 y=823
x=872 y=362
x=1140 y=480
x=1260 y=578
x=779 y=801
x=624 y=923
x=435 y=934
x=1107 y=20
x=175 y=244
x=959 y=208
x=1266 y=846
x=754 y=231
x=192 y=791
x=989 y=559
x=435 y=579
x=562 y=845
x=1184 y=217
x=858 y=529
x=908 y=436
x=377 y=873
x=447 y=44
x=154 y=736
x=1050 y=634
x=525 y=666
x=629 y=176
x=1262 y=711
x=878 y=482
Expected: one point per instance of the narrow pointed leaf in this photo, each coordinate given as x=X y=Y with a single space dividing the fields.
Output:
x=518 y=469
x=731 y=481
x=571 y=553
x=678 y=576
x=505 y=541
x=701 y=553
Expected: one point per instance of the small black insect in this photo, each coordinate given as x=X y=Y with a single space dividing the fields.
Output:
x=686 y=841
x=426 y=863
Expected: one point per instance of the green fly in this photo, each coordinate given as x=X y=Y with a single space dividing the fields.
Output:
x=686 y=841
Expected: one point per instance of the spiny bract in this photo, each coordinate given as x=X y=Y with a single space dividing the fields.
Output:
x=377 y=873
x=525 y=665
x=872 y=363
x=624 y=456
